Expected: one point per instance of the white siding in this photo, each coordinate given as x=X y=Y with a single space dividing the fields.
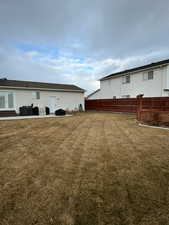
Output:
x=96 y=95
x=150 y=88
x=167 y=79
x=64 y=100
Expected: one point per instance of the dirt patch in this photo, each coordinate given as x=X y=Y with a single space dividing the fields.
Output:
x=88 y=169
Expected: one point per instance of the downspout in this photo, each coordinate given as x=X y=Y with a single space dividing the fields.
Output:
x=162 y=80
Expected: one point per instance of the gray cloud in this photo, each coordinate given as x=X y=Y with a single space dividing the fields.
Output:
x=128 y=31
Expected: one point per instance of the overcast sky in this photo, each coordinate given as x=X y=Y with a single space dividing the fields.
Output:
x=79 y=41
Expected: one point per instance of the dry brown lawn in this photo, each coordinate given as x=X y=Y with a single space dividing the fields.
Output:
x=83 y=170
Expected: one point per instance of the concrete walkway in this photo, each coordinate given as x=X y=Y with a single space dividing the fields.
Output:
x=30 y=117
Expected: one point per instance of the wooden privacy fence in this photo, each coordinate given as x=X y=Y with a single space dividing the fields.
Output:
x=114 y=105
x=147 y=109
x=154 y=110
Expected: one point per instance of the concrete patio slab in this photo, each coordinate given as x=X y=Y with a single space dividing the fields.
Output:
x=31 y=117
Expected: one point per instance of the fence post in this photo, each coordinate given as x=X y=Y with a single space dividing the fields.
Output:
x=139 y=105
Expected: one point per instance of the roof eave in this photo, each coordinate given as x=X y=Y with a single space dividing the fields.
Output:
x=136 y=71
x=93 y=93
x=42 y=89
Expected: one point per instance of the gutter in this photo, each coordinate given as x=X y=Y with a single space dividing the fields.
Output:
x=42 y=89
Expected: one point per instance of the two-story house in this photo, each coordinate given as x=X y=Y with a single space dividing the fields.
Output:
x=152 y=80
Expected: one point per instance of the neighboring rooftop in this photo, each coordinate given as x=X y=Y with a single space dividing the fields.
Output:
x=39 y=85
x=94 y=92
x=136 y=69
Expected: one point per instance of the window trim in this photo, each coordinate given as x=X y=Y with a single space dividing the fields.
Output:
x=146 y=75
x=151 y=71
x=36 y=96
x=124 y=79
x=6 y=96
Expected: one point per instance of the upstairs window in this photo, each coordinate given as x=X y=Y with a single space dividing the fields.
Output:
x=126 y=79
x=36 y=94
x=148 y=75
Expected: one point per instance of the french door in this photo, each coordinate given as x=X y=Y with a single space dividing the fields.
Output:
x=6 y=100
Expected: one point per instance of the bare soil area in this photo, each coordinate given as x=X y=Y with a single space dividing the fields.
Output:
x=93 y=168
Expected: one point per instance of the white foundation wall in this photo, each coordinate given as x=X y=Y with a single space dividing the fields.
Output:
x=150 y=88
x=64 y=100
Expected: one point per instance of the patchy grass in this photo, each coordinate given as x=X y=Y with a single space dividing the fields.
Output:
x=88 y=169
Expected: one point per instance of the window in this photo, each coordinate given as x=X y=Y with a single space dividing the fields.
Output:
x=2 y=101
x=36 y=94
x=6 y=100
x=125 y=96
x=145 y=76
x=148 y=75
x=10 y=100
x=126 y=79
x=114 y=97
